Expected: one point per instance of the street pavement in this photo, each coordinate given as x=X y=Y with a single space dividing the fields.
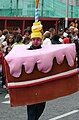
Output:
x=64 y=108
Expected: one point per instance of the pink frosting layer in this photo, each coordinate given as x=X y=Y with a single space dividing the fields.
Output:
x=19 y=56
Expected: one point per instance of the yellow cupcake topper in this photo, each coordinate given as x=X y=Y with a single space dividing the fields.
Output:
x=37 y=26
x=36 y=30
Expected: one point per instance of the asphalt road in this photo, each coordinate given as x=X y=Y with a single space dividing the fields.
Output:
x=65 y=108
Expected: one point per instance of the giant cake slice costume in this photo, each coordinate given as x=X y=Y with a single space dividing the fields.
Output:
x=40 y=75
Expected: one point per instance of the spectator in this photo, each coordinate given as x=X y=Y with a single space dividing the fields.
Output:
x=52 y=32
x=46 y=38
x=2 y=37
x=16 y=31
x=19 y=40
x=5 y=32
x=26 y=40
x=9 y=41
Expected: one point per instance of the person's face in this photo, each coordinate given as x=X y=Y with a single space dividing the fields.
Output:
x=67 y=31
x=10 y=39
x=9 y=49
x=52 y=33
x=36 y=42
x=19 y=30
x=27 y=34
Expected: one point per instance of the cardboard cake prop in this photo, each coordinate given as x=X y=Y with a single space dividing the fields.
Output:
x=40 y=75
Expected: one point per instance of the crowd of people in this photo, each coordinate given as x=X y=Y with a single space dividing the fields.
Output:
x=8 y=40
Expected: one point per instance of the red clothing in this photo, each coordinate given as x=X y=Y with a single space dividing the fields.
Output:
x=1 y=57
x=66 y=40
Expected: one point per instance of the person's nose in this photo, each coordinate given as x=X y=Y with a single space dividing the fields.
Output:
x=36 y=41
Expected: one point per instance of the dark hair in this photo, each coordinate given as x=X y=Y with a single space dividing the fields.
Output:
x=65 y=29
x=28 y=29
x=15 y=28
x=18 y=38
x=26 y=40
x=6 y=52
x=46 y=34
x=51 y=29
x=7 y=39
x=5 y=32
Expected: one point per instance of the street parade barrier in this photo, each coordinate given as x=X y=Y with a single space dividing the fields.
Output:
x=35 y=76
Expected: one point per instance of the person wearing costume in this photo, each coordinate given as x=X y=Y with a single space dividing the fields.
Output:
x=34 y=111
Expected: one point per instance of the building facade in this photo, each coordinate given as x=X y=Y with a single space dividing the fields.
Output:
x=47 y=8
